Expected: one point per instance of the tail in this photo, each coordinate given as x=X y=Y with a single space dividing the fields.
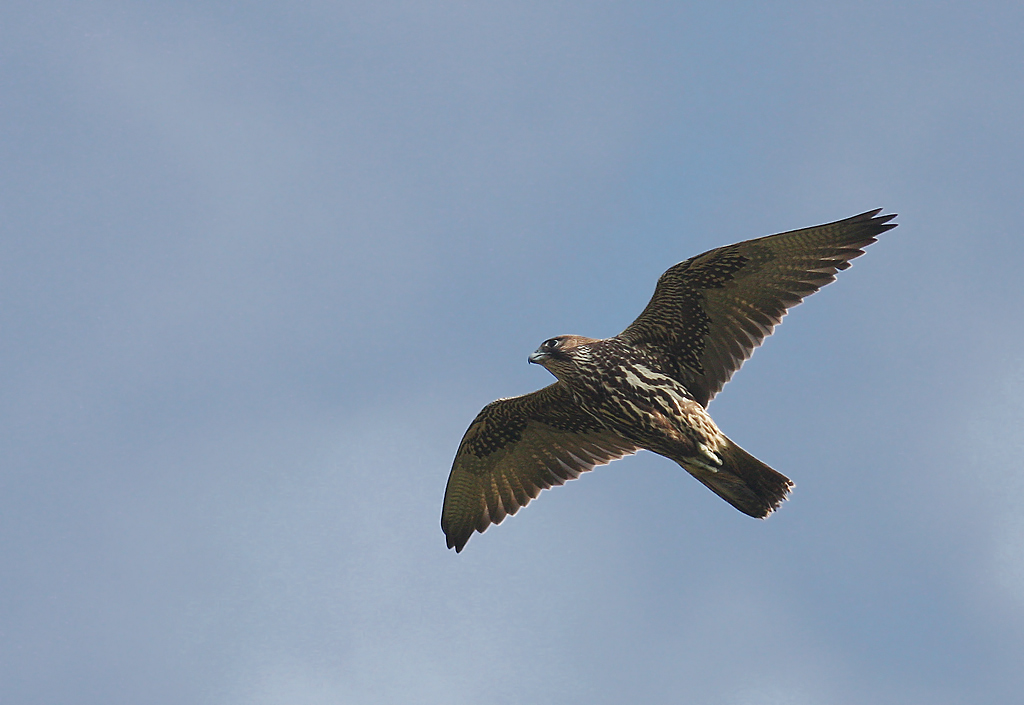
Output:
x=745 y=482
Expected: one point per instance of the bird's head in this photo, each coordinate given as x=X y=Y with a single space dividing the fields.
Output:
x=559 y=355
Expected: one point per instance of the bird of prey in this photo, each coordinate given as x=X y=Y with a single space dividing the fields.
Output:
x=648 y=387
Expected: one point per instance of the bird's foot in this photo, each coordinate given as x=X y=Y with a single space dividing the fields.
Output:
x=710 y=455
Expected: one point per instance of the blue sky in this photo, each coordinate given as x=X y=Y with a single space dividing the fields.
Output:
x=262 y=263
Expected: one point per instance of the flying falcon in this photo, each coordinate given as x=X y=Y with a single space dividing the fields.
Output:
x=648 y=387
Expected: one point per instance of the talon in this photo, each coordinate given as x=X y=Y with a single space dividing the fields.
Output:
x=710 y=455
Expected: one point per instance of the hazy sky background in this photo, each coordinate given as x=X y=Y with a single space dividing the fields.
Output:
x=262 y=263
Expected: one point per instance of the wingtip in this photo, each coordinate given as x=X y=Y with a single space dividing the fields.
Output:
x=457 y=542
x=876 y=219
x=873 y=214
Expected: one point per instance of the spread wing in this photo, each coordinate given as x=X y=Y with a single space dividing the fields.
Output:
x=709 y=313
x=514 y=449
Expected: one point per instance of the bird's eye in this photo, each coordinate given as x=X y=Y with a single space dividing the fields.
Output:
x=553 y=343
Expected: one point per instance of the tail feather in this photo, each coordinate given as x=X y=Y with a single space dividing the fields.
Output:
x=745 y=482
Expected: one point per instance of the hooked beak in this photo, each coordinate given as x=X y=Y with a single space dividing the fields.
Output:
x=538 y=357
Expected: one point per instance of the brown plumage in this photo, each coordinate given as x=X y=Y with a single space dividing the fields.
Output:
x=648 y=387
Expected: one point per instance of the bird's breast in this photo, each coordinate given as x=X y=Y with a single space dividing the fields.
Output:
x=637 y=401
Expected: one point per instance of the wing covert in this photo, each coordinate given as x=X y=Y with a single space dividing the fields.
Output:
x=710 y=312
x=514 y=449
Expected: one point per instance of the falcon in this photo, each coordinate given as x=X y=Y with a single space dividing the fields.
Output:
x=648 y=387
